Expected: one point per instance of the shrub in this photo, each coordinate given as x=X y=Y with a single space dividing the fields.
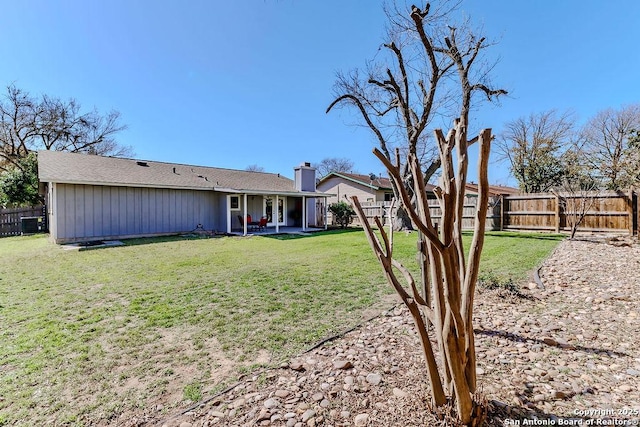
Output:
x=342 y=212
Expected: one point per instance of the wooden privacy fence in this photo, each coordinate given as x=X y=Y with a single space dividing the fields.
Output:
x=382 y=210
x=11 y=219
x=610 y=211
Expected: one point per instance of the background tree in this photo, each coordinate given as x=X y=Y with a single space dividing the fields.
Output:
x=534 y=146
x=397 y=102
x=254 y=168
x=579 y=188
x=610 y=142
x=413 y=78
x=334 y=164
x=19 y=183
x=28 y=124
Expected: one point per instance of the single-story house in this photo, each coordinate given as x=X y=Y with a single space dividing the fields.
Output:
x=92 y=197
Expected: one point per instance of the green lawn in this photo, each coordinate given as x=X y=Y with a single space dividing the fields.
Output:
x=89 y=334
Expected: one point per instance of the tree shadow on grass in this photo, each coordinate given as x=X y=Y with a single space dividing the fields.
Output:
x=523 y=235
x=314 y=233
x=142 y=241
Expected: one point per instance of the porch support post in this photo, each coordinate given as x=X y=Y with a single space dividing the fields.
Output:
x=276 y=213
x=326 y=214
x=244 y=216
x=304 y=213
x=228 y=214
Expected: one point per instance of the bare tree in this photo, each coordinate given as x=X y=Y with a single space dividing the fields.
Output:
x=254 y=168
x=534 y=146
x=29 y=124
x=334 y=164
x=399 y=97
x=579 y=188
x=608 y=143
x=404 y=97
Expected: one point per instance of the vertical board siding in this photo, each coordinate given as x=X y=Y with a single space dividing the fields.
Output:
x=88 y=212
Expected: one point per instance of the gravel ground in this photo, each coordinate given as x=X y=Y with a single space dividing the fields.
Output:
x=567 y=353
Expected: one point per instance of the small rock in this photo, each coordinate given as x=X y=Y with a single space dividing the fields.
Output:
x=633 y=372
x=550 y=341
x=625 y=388
x=342 y=364
x=374 y=379
x=185 y=424
x=271 y=403
x=317 y=397
x=264 y=415
x=303 y=406
x=238 y=403
x=217 y=414
x=399 y=393
x=308 y=414
x=361 y=420
x=282 y=393
x=297 y=366
x=560 y=395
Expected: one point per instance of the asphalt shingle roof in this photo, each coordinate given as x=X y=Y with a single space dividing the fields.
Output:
x=73 y=168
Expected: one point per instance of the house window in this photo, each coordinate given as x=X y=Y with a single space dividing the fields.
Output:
x=388 y=197
x=234 y=203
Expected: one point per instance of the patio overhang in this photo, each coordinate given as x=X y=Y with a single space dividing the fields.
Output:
x=250 y=192
x=245 y=193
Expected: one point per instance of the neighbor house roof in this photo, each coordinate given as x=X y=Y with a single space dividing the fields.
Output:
x=494 y=190
x=379 y=183
x=73 y=168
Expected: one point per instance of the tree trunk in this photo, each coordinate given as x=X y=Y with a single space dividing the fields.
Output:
x=402 y=220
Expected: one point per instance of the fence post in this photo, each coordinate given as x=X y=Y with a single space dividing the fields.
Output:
x=557 y=216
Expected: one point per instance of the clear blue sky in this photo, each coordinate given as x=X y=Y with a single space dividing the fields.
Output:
x=234 y=83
